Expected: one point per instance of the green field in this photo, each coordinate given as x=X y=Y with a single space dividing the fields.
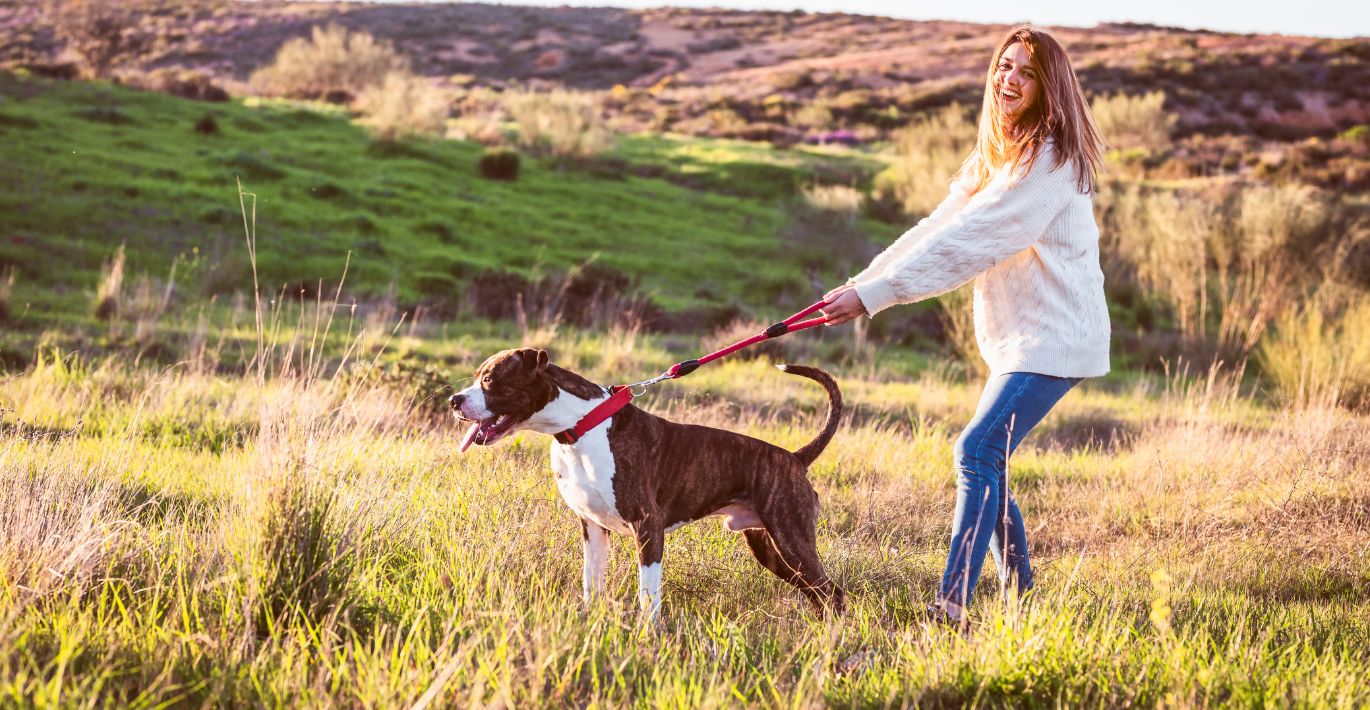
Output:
x=207 y=500
x=176 y=536
x=93 y=166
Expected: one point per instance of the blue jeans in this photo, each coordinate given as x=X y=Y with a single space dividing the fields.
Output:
x=987 y=517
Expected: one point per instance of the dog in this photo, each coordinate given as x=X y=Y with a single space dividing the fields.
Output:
x=643 y=476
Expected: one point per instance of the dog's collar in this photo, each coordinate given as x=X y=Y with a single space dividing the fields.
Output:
x=619 y=397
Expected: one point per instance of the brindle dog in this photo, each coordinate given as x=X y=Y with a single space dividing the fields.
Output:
x=643 y=476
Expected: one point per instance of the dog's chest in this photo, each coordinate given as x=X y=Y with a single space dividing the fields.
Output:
x=585 y=478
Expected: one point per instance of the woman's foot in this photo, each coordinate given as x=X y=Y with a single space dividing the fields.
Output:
x=950 y=613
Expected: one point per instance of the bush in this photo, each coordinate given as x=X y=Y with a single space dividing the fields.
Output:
x=930 y=151
x=103 y=33
x=1321 y=356
x=560 y=124
x=404 y=105
x=1134 y=121
x=331 y=60
x=500 y=165
x=1224 y=261
x=207 y=125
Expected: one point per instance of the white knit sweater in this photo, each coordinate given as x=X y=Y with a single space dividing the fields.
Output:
x=1030 y=242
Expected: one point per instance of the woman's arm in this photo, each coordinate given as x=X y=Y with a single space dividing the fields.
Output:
x=956 y=199
x=1006 y=217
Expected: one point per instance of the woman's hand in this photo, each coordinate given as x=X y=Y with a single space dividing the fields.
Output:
x=843 y=305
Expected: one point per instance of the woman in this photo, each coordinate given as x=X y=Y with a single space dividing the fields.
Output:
x=1019 y=220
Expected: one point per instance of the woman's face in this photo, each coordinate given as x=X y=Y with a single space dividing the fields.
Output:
x=1017 y=85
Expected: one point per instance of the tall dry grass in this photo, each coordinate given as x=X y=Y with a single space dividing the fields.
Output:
x=928 y=152
x=1224 y=259
x=1320 y=353
x=8 y=277
x=109 y=290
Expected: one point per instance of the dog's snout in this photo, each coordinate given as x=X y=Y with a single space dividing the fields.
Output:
x=455 y=400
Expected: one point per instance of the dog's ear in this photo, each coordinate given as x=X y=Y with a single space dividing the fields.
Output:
x=534 y=361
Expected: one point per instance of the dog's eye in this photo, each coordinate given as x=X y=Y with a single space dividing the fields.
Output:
x=486 y=380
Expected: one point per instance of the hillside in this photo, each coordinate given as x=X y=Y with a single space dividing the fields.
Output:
x=94 y=166
x=746 y=74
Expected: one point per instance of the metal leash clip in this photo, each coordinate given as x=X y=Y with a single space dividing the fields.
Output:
x=640 y=388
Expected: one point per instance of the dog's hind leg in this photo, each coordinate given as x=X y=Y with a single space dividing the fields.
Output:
x=651 y=538
x=790 y=515
x=763 y=548
x=595 y=541
x=797 y=563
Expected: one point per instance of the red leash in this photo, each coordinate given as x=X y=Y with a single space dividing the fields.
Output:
x=620 y=395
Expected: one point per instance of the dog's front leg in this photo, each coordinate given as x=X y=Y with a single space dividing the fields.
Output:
x=650 y=541
x=595 y=541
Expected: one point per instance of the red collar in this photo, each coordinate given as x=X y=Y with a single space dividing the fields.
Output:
x=618 y=398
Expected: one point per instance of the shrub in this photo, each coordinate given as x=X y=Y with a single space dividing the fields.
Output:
x=1223 y=261
x=404 y=105
x=815 y=115
x=1134 y=121
x=1320 y=355
x=207 y=125
x=331 y=60
x=103 y=33
x=500 y=165
x=930 y=150
x=561 y=124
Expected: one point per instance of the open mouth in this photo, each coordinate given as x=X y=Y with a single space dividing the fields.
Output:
x=487 y=431
x=1010 y=94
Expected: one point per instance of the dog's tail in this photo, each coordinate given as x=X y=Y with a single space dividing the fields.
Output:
x=811 y=450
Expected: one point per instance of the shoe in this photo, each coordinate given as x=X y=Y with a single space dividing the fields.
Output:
x=939 y=614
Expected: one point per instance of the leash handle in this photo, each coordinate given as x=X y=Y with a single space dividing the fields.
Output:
x=789 y=325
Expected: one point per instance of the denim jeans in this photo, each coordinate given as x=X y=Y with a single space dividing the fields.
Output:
x=987 y=517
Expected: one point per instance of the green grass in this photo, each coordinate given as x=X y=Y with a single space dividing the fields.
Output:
x=91 y=166
x=332 y=548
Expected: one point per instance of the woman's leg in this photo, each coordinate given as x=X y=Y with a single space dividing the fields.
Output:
x=1012 y=404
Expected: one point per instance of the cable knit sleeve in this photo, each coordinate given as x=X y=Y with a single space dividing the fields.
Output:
x=951 y=204
x=1011 y=213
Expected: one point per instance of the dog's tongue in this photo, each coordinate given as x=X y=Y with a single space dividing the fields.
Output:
x=470 y=437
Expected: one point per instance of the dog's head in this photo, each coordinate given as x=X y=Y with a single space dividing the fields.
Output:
x=510 y=387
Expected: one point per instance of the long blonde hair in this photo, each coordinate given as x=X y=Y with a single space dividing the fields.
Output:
x=1060 y=113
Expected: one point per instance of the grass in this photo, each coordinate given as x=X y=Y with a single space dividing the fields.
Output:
x=175 y=535
x=93 y=166
x=197 y=509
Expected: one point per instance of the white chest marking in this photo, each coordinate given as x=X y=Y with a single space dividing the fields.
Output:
x=585 y=478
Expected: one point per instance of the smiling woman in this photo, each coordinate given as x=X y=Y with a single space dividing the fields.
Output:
x=1020 y=222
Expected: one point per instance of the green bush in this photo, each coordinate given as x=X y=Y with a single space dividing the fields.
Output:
x=500 y=165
